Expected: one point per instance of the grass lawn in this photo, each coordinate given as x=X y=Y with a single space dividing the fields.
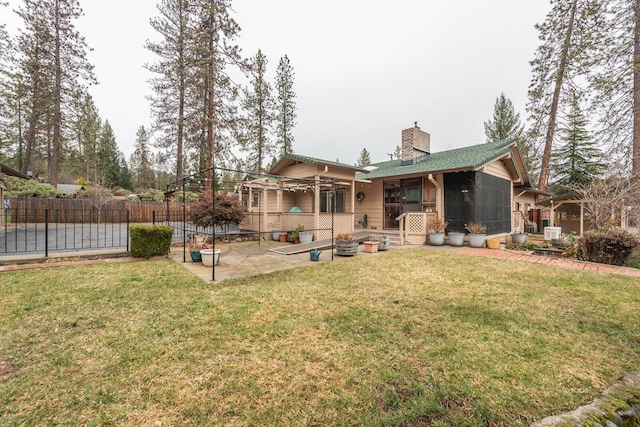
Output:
x=408 y=337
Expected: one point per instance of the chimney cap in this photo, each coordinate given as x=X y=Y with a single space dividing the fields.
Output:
x=415 y=124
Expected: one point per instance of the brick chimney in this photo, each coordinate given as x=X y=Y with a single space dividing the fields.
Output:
x=416 y=145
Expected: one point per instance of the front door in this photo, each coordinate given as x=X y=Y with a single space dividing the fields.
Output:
x=400 y=196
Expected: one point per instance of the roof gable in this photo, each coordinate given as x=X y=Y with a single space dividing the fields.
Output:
x=290 y=159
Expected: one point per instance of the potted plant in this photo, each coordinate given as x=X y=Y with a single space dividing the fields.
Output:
x=295 y=234
x=195 y=245
x=456 y=238
x=345 y=245
x=438 y=226
x=477 y=234
x=518 y=237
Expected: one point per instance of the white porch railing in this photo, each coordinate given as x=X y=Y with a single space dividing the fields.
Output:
x=342 y=222
x=414 y=228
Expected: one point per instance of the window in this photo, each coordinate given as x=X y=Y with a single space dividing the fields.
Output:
x=326 y=204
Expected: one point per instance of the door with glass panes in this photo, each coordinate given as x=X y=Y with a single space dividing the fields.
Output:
x=407 y=195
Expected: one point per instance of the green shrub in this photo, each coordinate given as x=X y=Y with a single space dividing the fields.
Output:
x=607 y=246
x=150 y=240
x=634 y=260
x=17 y=187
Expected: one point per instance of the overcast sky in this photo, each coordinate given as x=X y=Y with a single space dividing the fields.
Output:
x=364 y=69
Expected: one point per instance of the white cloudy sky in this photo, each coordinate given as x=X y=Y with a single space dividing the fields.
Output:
x=364 y=69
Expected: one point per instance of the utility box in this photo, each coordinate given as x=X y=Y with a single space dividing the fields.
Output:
x=551 y=233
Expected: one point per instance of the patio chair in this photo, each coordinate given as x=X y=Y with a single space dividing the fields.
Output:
x=530 y=227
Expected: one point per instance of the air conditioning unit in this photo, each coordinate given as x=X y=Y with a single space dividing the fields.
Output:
x=551 y=233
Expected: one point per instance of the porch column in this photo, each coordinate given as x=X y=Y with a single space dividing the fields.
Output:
x=552 y=216
x=279 y=207
x=265 y=211
x=353 y=205
x=316 y=207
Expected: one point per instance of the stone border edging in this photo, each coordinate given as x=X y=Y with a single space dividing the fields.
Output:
x=598 y=413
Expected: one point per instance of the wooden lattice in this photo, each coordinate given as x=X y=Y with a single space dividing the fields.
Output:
x=416 y=224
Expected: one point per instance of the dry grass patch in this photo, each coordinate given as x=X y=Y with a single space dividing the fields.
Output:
x=406 y=337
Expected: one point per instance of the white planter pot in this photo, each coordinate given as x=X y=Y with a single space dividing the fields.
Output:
x=436 y=239
x=456 y=239
x=207 y=256
x=477 y=240
x=519 y=237
x=305 y=236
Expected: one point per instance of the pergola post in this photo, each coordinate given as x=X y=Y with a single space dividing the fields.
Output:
x=316 y=205
x=265 y=211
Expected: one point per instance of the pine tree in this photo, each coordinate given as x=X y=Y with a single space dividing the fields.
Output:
x=215 y=50
x=616 y=82
x=258 y=104
x=364 y=158
x=5 y=91
x=142 y=162
x=86 y=129
x=112 y=168
x=168 y=104
x=285 y=107
x=506 y=122
x=577 y=160
x=51 y=67
x=560 y=62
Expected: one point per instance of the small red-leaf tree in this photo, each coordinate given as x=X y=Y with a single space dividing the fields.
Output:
x=228 y=210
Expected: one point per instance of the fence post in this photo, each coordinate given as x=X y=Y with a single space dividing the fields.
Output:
x=46 y=233
x=127 y=231
x=153 y=217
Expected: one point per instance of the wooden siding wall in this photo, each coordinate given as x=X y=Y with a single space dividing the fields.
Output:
x=498 y=169
x=138 y=211
x=372 y=205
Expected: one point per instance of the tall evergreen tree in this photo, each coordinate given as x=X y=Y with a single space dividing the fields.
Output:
x=616 y=81
x=51 y=66
x=112 y=168
x=86 y=129
x=566 y=36
x=142 y=162
x=258 y=104
x=577 y=159
x=364 y=159
x=506 y=122
x=33 y=88
x=215 y=51
x=5 y=92
x=168 y=104
x=285 y=107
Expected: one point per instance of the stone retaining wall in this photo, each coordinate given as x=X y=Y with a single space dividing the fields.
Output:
x=618 y=406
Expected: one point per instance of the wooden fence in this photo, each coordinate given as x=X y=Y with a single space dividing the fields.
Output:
x=34 y=209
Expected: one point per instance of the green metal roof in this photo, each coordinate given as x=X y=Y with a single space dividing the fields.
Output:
x=313 y=161
x=466 y=158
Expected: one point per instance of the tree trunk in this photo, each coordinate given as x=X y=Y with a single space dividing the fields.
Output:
x=57 y=116
x=635 y=163
x=181 y=93
x=210 y=108
x=546 y=157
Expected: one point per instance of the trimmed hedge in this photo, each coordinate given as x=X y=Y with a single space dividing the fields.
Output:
x=150 y=240
x=611 y=246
